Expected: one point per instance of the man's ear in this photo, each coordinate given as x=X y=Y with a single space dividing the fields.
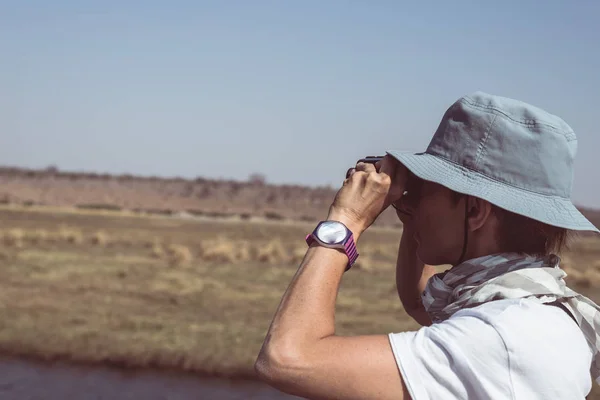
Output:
x=478 y=212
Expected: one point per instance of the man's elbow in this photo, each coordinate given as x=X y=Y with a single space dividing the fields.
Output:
x=279 y=367
x=265 y=368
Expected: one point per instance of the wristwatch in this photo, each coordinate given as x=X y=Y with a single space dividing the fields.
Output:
x=335 y=235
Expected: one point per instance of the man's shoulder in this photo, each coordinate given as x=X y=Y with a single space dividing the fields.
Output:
x=501 y=348
x=514 y=312
x=538 y=338
x=525 y=322
x=462 y=357
x=502 y=308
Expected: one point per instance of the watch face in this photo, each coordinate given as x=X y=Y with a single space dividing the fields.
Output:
x=331 y=232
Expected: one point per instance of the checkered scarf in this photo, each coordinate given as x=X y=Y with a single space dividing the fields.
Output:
x=511 y=276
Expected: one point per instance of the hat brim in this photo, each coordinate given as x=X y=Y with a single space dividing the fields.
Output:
x=552 y=210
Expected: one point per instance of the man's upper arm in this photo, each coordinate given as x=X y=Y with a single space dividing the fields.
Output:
x=463 y=357
x=358 y=367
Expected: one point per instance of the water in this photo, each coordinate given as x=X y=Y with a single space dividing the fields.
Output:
x=27 y=380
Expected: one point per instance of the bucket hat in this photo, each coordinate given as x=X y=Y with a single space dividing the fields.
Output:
x=510 y=153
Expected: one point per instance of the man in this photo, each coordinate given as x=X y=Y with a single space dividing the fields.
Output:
x=491 y=197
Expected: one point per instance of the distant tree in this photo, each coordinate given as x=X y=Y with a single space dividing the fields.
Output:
x=204 y=193
x=257 y=179
x=188 y=189
x=52 y=169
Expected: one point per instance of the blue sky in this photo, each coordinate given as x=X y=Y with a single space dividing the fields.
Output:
x=296 y=90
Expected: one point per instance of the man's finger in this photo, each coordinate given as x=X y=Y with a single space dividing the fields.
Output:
x=397 y=172
x=366 y=167
x=388 y=166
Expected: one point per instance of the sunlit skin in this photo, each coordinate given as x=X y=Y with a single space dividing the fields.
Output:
x=437 y=225
x=301 y=354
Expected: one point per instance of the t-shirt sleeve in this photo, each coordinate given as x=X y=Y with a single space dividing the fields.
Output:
x=463 y=357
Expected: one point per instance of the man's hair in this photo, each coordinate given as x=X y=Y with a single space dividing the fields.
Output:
x=518 y=233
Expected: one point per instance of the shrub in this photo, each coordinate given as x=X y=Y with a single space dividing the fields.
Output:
x=273 y=215
x=220 y=250
x=70 y=235
x=100 y=206
x=179 y=254
x=37 y=236
x=157 y=251
x=99 y=238
x=273 y=253
x=14 y=238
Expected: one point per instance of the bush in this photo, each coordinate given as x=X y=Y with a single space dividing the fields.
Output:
x=257 y=179
x=100 y=206
x=157 y=251
x=70 y=235
x=99 y=238
x=273 y=253
x=220 y=250
x=179 y=254
x=273 y=215
x=223 y=250
x=37 y=236
x=14 y=238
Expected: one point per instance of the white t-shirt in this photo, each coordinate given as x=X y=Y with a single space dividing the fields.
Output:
x=504 y=349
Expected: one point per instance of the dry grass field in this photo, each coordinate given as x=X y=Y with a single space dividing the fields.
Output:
x=166 y=292
x=186 y=294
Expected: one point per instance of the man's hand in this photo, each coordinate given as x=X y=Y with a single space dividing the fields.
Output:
x=367 y=192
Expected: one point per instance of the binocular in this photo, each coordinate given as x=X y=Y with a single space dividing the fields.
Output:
x=368 y=160
x=413 y=185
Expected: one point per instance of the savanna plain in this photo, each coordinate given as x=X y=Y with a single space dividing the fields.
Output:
x=193 y=294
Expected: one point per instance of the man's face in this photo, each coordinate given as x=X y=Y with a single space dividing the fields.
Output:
x=437 y=222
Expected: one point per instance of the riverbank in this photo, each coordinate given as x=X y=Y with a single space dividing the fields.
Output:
x=30 y=379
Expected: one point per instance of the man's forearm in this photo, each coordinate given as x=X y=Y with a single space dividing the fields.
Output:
x=306 y=312
x=303 y=328
x=411 y=277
